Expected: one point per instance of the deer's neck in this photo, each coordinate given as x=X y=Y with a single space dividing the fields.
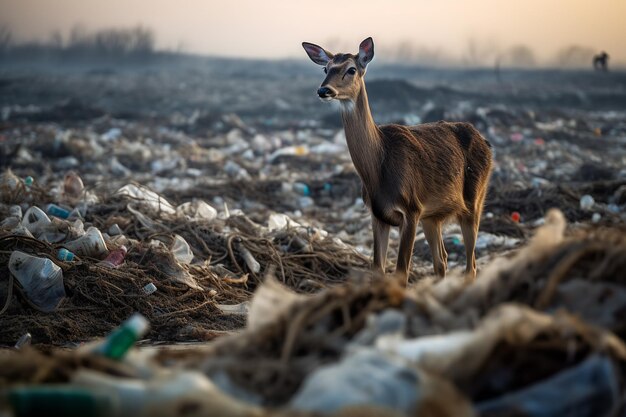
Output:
x=363 y=137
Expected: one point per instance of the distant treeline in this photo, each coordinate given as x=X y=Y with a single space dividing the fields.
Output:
x=134 y=44
x=478 y=53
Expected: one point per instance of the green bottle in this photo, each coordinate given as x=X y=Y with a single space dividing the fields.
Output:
x=58 y=400
x=124 y=337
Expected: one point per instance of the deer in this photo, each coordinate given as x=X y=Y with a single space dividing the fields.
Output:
x=428 y=173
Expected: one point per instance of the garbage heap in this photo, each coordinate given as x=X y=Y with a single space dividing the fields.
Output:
x=78 y=267
x=540 y=333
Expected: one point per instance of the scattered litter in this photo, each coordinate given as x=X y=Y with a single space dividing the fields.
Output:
x=243 y=225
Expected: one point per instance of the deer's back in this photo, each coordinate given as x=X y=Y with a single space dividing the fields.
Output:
x=435 y=167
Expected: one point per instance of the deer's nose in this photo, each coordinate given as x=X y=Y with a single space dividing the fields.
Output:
x=324 y=92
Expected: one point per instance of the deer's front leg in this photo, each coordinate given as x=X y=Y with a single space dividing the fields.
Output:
x=381 y=242
x=405 y=252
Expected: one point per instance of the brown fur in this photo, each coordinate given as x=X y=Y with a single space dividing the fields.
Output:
x=429 y=172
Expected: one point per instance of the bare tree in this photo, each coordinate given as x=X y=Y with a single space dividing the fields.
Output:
x=574 y=56
x=5 y=37
x=519 y=56
x=56 y=40
x=480 y=52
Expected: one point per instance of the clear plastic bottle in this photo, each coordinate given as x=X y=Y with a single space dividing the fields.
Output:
x=181 y=250
x=23 y=341
x=15 y=211
x=41 y=279
x=36 y=221
x=90 y=244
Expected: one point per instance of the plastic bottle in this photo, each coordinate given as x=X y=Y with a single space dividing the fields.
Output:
x=23 y=341
x=115 y=230
x=35 y=220
x=124 y=337
x=181 y=250
x=41 y=279
x=197 y=210
x=20 y=230
x=72 y=185
x=65 y=255
x=90 y=244
x=15 y=211
x=58 y=400
x=115 y=258
x=57 y=211
x=302 y=188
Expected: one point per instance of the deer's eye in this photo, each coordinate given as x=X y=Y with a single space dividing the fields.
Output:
x=352 y=71
x=325 y=70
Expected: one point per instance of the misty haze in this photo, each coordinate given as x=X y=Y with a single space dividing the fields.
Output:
x=355 y=208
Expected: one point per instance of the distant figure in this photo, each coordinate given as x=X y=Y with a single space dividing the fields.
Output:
x=600 y=62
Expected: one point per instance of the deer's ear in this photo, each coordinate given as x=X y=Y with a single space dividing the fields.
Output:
x=317 y=54
x=366 y=52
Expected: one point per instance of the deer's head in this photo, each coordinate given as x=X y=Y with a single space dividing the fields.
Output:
x=344 y=72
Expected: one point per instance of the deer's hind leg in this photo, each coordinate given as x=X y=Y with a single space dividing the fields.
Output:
x=381 y=242
x=405 y=251
x=469 y=227
x=432 y=232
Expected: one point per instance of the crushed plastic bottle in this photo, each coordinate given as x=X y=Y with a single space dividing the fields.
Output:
x=586 y=202
x=35 y=220
x=15 y=211
x=90 y=244
x=148 y=197
x=115 y=258
x=14 y=218
x=23 y=341
x=197 y=210
x=120 y=340
x=20 y=230
x=181 y=250
x=73 y=185
x=115 y=230
x=302 y=188
x=278 y=221
x=41 y=279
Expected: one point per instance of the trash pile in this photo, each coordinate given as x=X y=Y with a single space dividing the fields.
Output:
x=545 y=321
x=221 y=213
x=82 y=266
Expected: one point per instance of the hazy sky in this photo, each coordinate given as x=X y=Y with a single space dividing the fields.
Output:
x=263 y=28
